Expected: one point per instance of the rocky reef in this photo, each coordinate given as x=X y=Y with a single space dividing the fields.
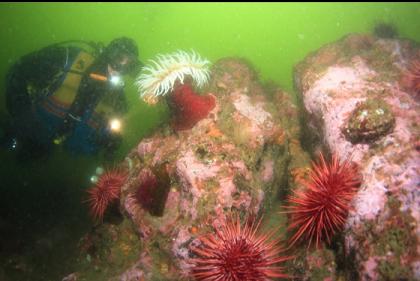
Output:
x=184 y=183
x=359 y=103
x=357 y=106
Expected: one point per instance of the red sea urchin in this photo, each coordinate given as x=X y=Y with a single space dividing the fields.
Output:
x=105 y=191
x=147 y=184
x=410 y=79
x=321 y=208
x=236 y=252
x=152 y=190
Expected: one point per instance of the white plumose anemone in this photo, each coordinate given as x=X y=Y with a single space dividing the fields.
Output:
x=159 y=77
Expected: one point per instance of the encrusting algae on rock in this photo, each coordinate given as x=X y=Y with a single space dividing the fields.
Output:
x=358 y=107
x=210 y=172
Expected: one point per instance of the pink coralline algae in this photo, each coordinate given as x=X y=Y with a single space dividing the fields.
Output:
x=370 y=269
x=254 y=112
x=333 y=91
x=211 y=169
x=133 y=273
x=268 y=171
x=226 y=192
x=242 y=169
x=254 y=124
x=193 y=171
x=145 y=147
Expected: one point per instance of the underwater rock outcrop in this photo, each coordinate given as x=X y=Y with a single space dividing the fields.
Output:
x=184 y=184
x=357 y=107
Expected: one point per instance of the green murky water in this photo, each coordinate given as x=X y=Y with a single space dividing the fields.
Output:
x=41 y=199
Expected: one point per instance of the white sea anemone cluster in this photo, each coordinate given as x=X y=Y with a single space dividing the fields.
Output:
x=158 y=78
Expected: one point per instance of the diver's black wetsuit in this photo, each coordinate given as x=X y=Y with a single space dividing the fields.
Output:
x=35 y=77
x=90 y=93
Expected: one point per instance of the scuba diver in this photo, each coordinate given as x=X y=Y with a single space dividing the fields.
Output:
x=69 y=94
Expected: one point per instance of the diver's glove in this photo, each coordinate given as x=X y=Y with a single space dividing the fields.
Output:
x=66 y=129
x=59 y=139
